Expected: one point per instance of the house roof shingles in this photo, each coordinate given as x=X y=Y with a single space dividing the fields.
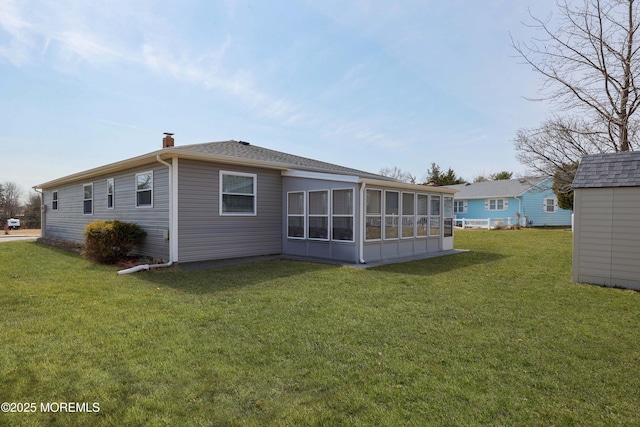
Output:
x=608 y=170
x=244 y=150
x=490 y=189
x=224 y=151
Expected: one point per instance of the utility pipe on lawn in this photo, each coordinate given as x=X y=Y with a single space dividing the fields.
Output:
x=167 y=264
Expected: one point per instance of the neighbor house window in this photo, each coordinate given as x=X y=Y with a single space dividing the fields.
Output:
x=434 y=219
x=54 y=200
x=460 y=206
x=391 y=214
x=144 y=189
x=88 y=199
x=237 y=193
x=408 y=214
x=319 y=215
x=110 y=193
x=342 y=215
x=373 y=209
x=422 y=215
x=550 y=205
x=295 y=215
x=496 y=204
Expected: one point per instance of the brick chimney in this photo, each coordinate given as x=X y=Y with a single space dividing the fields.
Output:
x=167 y=141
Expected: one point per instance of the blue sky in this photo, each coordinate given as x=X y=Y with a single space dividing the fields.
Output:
x=365 y=84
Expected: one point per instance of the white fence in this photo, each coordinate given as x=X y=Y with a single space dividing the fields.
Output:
x=488 y=223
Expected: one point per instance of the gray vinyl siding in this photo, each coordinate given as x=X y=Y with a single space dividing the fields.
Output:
x=205 y=235
x=68 y=222
x=606 y=236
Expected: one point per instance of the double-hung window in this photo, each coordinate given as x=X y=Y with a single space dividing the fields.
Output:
x=391 y=214
x=408 y=214
x=434 y=219
x=496 y=204
x=373 y=208
x=319 y=215
x=460 y=206
x=87 y=201
x=342 y=215
x=54 y=200
x=296 y=215
x=110 y=193
x=550 y=205
x=144 y=189
x=238 y=193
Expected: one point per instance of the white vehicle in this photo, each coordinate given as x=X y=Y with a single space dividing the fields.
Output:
x=13 y=223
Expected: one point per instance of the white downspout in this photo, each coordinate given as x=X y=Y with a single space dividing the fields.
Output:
x=171 y=228
x=363 y=220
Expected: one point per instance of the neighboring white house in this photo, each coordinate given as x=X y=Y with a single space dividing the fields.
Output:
x=606 y=240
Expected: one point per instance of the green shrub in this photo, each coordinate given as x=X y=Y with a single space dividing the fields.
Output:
x=111 y=241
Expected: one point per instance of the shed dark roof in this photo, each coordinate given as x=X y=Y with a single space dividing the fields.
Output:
x=608 y=170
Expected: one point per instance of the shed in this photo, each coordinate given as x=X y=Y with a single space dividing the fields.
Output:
x=606 y=240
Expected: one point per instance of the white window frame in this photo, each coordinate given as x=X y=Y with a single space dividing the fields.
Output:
x=422 y=217
x=434 y=218
x=85 y=200
x=303 y=215
x=394 y=218
x=407 y=216
x=460 y=207
x=144 y=206
x=488 y=202
x=342 y=215
x=545 y=205
x=326 y=215
x=111 y=192
x=222 y=193
x=373 y=216
x=447 y=215
x=55 y=200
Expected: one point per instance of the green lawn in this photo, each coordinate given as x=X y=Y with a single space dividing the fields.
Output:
x=498 y=335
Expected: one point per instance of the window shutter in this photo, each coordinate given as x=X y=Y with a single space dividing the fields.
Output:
x=555 y=205
x=466 y=206
x=506 y=204
x=486 y=204
x=544 y=205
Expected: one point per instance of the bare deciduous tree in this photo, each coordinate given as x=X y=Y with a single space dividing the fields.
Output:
x=590 y=64
x=397 y=173
x=11 y=195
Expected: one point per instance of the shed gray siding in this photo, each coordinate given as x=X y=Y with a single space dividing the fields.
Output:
x=205 y=235
x=68 y=221
x=605 y=249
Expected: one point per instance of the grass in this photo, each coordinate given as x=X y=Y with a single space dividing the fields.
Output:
x=498 y=336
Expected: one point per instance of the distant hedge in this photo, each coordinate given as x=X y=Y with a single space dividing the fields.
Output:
x=108 y=242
